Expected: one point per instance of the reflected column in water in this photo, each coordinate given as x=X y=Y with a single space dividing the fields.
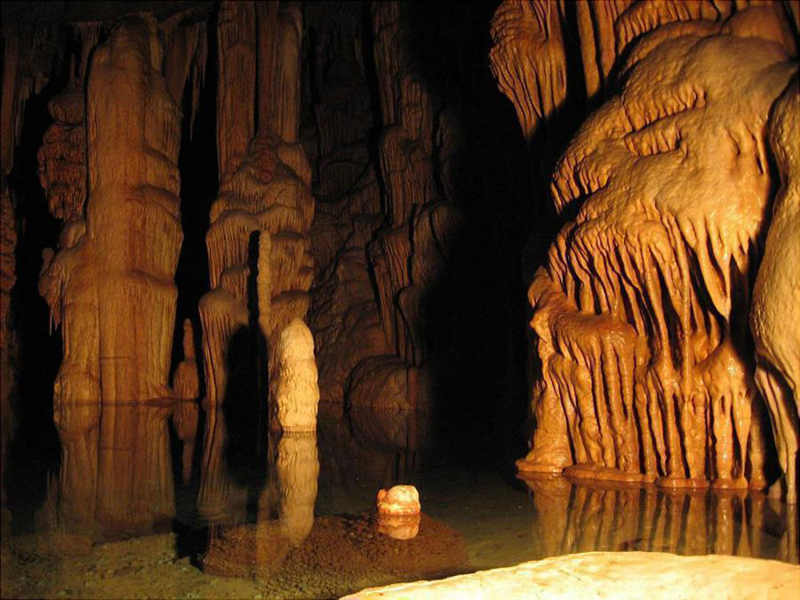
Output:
x=551 y=498
x=297 y=469
x=696 y=529
x=219 y=500
x=574 y=517
x=186 y=384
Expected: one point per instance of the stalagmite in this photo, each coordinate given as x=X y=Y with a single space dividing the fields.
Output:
x=296 y=391
x=640 y=310
x=775 y=314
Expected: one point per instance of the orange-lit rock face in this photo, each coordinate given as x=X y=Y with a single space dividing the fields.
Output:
x=264 y=194
x=399 y=500
x=641 y=309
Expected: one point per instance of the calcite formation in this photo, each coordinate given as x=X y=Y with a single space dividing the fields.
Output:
x=641 y=310
x=8 y=239
x=612 y=575
x=26 y=51
x=221 y=500
x=399 y=500
x=399 y=512
x=381 y=266
x=111 y=286
x=296 y=390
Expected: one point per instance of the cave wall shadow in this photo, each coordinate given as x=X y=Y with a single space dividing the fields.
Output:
x=34 y=452
x=245 y=403
x=478 y=312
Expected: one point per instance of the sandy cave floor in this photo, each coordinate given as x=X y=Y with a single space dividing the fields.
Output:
x=33 y=566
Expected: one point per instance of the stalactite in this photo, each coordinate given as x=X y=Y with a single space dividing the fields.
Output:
x=62 y=157
x=185 y=58
x=528 y=58
x=530 y=61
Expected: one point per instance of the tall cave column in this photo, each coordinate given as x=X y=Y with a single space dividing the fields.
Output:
x=259 y=259
x=133 y=223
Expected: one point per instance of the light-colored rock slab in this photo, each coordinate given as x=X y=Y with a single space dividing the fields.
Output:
x=613 y=575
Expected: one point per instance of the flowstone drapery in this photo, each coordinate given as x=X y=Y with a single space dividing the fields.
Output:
x=641 y=309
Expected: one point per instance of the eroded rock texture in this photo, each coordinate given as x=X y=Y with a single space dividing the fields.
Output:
x=641 y=310
x=110 y=285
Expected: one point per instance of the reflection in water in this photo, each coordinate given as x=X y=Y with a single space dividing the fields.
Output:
x=220 y=499
x=115 y=478
x=297 y=470
x=389 y=443
x=576 y=517
x=480 y=520
x=399 y=527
